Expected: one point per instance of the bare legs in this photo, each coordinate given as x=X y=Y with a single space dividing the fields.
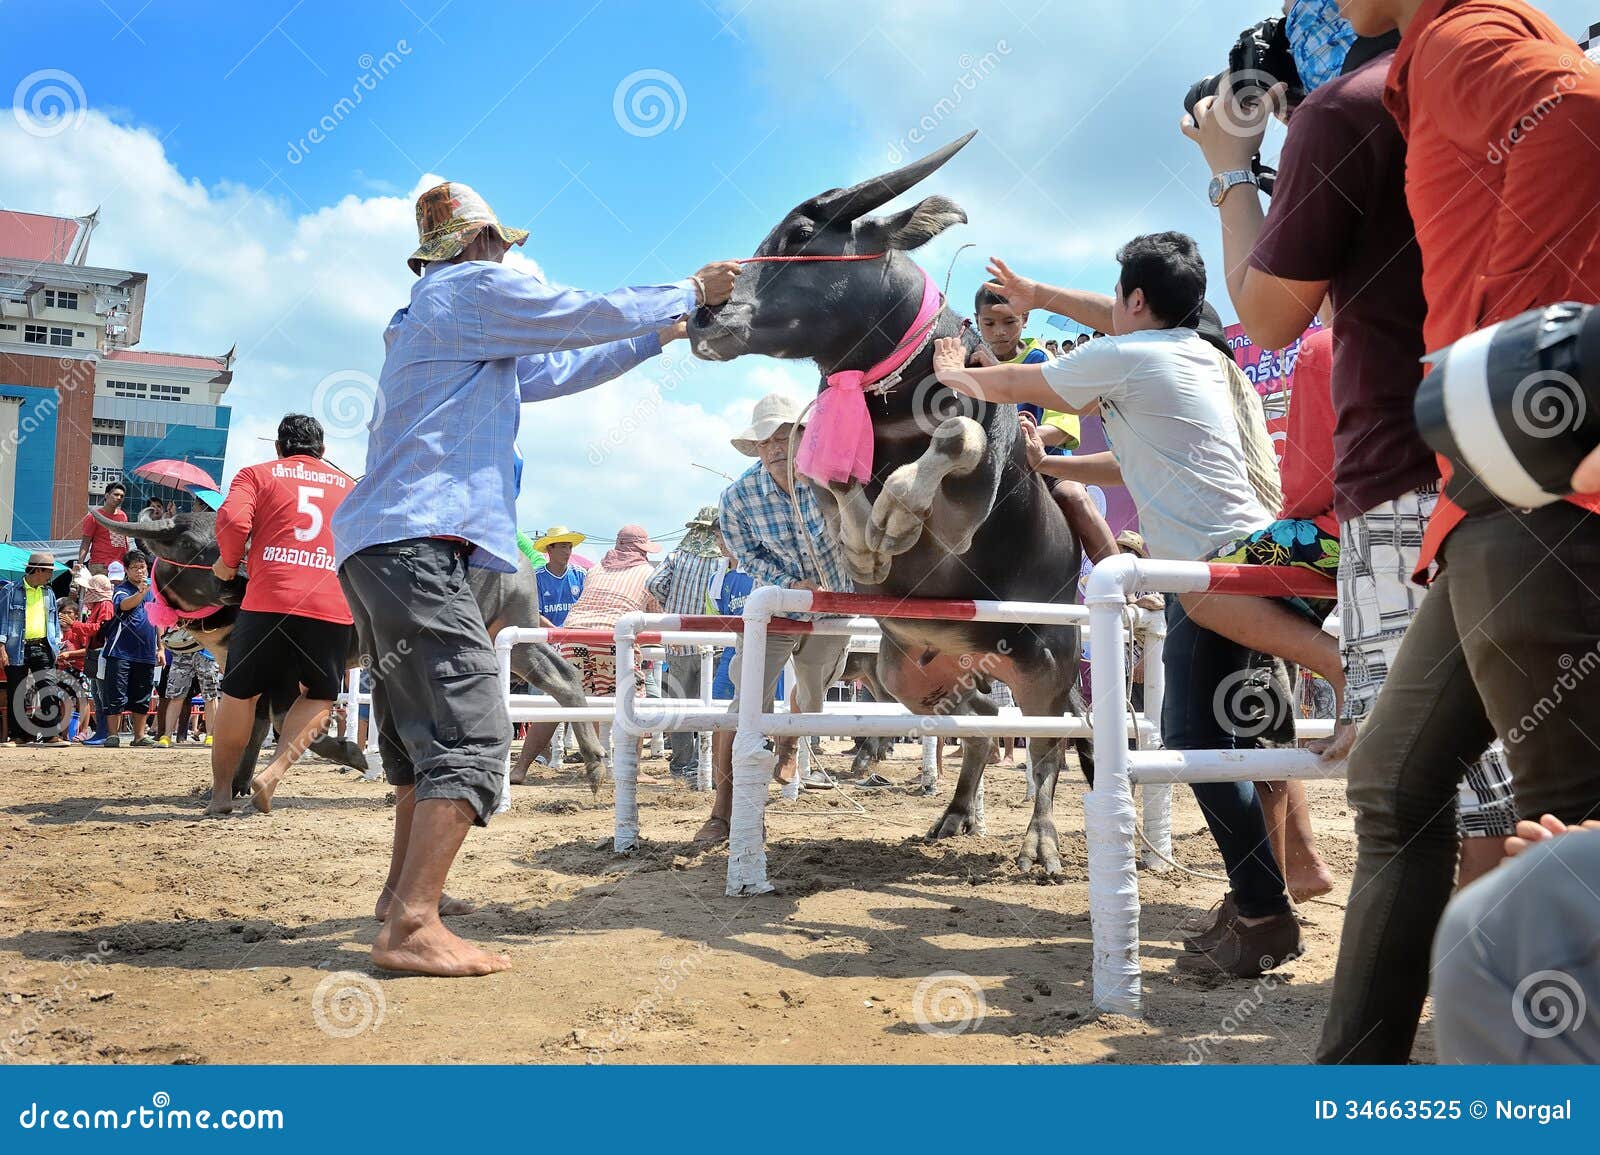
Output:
x=235 y=720
x=1293 y=844
x=427 y=836
x=716 y=827
x=307 y=718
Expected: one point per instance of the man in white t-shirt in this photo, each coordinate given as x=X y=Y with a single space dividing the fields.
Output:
x=1163 y=394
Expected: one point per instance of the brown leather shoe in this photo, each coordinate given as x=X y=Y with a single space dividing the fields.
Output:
x=1203 y=933
x=1246 y=951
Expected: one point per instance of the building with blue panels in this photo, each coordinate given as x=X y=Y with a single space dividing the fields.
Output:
x=80 y=405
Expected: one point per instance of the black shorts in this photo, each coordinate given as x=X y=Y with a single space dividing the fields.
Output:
x=277 y=652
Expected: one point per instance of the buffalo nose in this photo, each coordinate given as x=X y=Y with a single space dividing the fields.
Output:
x=703 y=316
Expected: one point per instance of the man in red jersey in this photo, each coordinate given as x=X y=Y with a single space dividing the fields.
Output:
x=100 y=547
x=294 y=626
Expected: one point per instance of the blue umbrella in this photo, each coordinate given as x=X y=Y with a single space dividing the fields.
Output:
x=14 y=560
x=211 y=497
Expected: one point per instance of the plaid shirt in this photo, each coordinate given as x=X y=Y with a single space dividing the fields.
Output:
x=758 y=523
x=680 y=584
x=607 y=595
x=478 y=340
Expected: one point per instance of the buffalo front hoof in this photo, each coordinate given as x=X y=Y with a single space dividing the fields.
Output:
x=951 y=823
x=1040 y=847
x=594 y=774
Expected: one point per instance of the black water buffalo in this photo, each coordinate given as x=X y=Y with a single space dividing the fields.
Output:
x=186 y=545
x=952 y=509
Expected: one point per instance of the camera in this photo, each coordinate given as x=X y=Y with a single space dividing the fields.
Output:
x=1258 y=60
x=1515 y=407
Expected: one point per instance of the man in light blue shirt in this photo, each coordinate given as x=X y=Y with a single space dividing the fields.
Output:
x=476 y=341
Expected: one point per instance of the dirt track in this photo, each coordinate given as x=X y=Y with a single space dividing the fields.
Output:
x=208 y=940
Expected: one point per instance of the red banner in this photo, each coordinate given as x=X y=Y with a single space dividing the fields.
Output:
x=1268 y=370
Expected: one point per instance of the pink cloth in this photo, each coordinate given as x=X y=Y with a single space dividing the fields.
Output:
x=837 y=445
x=163 y=616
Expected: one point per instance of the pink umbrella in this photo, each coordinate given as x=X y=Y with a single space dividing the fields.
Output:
x=580 y=562
x=176 y=474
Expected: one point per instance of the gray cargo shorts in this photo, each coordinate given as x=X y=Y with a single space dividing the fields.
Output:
x=442 y=721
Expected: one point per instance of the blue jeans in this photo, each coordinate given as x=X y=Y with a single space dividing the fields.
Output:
x=126 y=686
x=1202 y=668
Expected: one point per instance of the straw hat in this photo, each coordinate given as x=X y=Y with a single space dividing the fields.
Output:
x=449 y=216
x=1134 y=543
x=558 y=535
x=771 y=414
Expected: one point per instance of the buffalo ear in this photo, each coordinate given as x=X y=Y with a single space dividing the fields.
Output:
x=920 y=223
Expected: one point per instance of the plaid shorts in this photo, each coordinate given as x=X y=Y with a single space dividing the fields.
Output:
x=1377 y=600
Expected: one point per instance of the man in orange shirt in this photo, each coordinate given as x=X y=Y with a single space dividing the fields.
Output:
x=294 y=627
x=1501 y=114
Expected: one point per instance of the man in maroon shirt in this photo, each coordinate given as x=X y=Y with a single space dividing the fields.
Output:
x=1339 y=225
x=100 y=546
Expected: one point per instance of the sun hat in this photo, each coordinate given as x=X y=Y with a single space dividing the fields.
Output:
x=1133 y=542
x=701 y=541
x=771 y=414
x=449 y=216
x=558 y=535
x=97 y=589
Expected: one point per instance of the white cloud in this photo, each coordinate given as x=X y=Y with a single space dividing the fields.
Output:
x=305 y=293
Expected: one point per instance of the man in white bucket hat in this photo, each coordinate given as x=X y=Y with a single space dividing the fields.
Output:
x=777 y=548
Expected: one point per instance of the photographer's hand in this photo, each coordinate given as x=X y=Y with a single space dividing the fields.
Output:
x=1587 y=478
x=1229 y=131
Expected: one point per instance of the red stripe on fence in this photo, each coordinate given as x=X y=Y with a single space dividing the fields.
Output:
x=869 y=606
x=1270 y=581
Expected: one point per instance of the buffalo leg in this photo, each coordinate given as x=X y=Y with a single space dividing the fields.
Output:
x=964 y=815
x=1043 y=692
x=543 y=668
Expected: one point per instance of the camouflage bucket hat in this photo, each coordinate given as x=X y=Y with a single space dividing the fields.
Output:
x=448 y=217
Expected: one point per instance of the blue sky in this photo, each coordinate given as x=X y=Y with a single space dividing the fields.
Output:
x=191 y=125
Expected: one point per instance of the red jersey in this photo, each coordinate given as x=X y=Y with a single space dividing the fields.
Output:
x=105 y=546
x=1307 y=465
x=284 y=508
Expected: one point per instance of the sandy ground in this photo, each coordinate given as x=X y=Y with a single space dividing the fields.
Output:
x=131 y=930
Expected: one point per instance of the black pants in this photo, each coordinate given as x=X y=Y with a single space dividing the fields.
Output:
x=1212 y=684
x=37 y=705
x=1506 y=643
x=683 y=681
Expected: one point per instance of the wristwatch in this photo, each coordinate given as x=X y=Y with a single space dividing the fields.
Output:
x=1223 y=181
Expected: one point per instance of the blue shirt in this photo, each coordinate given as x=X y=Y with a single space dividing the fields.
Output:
x=759 y=525
x=132 y=635
x=557 y=595
x=477 y=340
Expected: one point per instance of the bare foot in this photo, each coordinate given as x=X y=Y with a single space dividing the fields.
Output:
x=713 y=832
x=1312 y=882
x=427 y=948
x=449 y=907
x=262 y=789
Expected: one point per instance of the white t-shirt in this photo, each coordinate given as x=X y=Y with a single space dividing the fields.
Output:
x=1169 y=421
